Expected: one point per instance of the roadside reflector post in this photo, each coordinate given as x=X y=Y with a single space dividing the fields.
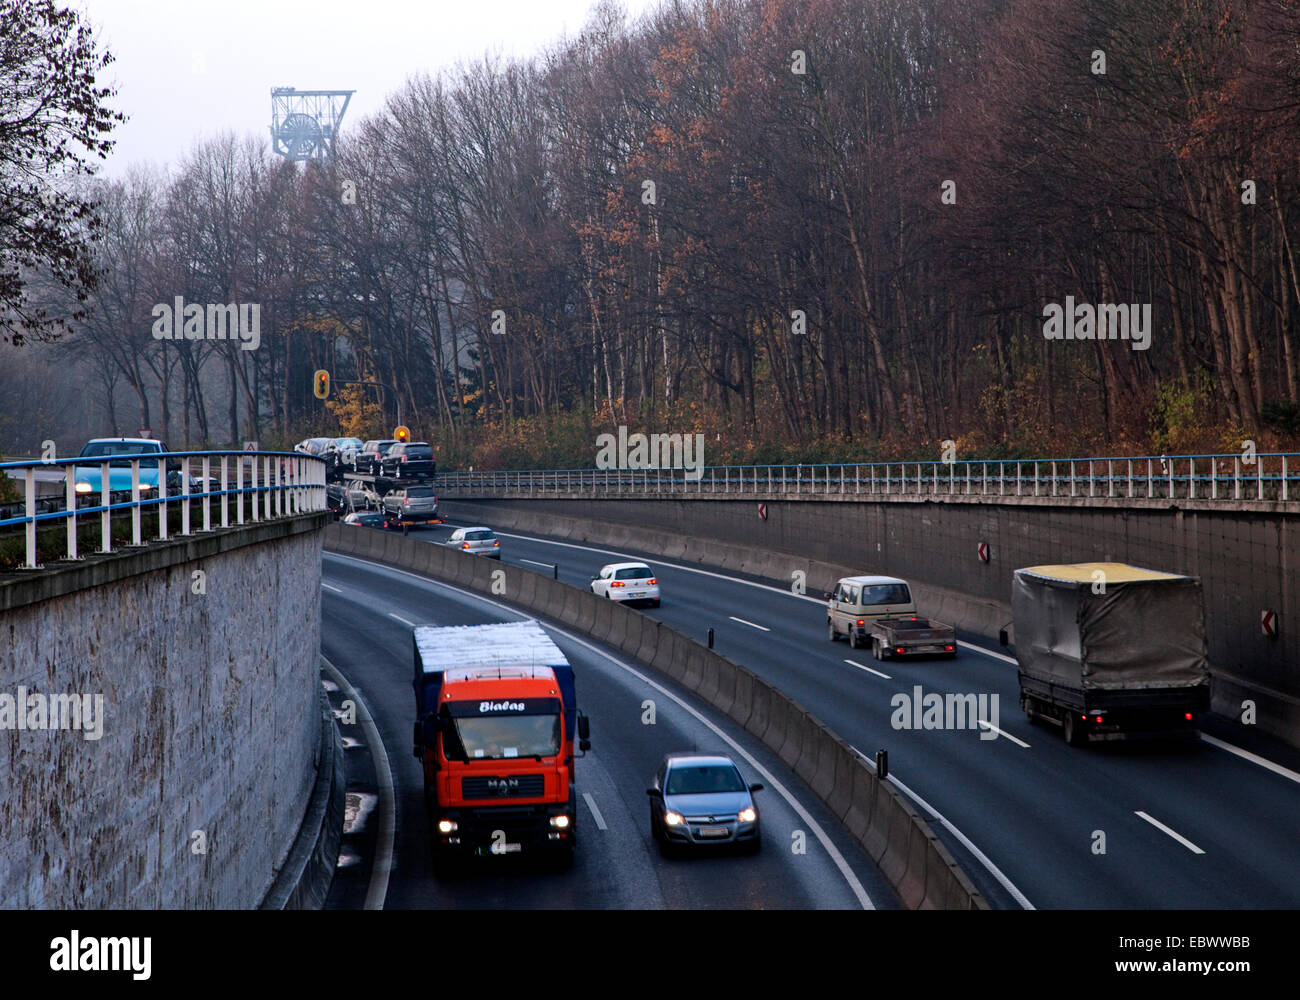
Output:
x=710 y=637
x=882 y=764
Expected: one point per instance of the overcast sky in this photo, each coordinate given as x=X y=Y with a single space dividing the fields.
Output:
x=186 y=69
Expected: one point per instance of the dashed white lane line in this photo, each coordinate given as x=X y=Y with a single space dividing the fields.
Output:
x=534 y=562
x=330 y=586
x=595 y=813
x=401 y=619
x=870 y=670
x=1173 y=833
x=1253 y=758
x=761 y=628
x=965 y=841
x=1002 y=732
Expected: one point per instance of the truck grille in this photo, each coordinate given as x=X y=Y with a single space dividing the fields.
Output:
x=499 y=787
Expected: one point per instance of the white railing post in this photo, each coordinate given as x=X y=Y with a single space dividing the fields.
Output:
x=70 y=504
x=207 y=480
x=239 y=490
x=225 y=499
x=136 y=537
x=29 y=512
x=105 y=515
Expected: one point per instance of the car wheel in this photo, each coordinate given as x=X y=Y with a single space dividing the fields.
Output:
x=853 y=637
x=754 y=846
x=654 y=603
x=830 y=630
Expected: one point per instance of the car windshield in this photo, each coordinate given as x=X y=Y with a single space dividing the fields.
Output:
x=102 y=449
x=420 y=491
x=701 y=779
x=633 y=573
x=502 y=736
x=886 y=593
x=478 y=536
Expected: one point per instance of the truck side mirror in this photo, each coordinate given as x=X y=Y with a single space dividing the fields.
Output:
x=584 y=728
x=584 y=745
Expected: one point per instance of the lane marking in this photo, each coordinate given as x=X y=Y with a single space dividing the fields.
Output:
x=330 y=586
x=401 y=619
x=965 y=841
x=1253 y=758
x=595 y=813
x=855 y=886
x=1173 y=833
x=870 y=670
x=383 y=864
x=1003 y=732
x=988 y=652
x=534 y=562
x=761 y=628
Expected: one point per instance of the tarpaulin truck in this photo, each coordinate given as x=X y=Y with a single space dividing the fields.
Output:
x=1110 y=651
x=496 y=715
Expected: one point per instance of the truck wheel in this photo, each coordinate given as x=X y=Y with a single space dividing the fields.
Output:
x=1027 y=706
x=1070 y=729
x=830 y=630
x=875 y=647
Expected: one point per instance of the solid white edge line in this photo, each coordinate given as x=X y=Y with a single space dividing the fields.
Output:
x=988 y=652
x=329 y=586
x=1003 y=732
x=401 y=619
x=595 y=813
x=1253 y=758
x=870 y=670
x=762 y=628
x=828 y=845
x=1173 y=833
x=383 y=862
x=965 y=841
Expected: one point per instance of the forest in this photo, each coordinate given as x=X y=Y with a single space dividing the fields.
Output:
x=810 y=230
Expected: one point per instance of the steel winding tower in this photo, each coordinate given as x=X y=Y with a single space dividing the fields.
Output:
x=304 y=123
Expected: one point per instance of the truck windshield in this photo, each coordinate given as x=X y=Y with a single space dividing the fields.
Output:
x=886 y=593
x=502 y=736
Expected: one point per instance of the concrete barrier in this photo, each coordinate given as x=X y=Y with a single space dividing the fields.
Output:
x=876 y=815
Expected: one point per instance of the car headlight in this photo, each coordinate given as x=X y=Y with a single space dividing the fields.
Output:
x=673 y=819
x=561 y=822
x=84 y=488
x=747 y=815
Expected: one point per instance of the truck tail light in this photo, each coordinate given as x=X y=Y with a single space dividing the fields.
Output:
x=1187 y=716
x=861 y=621
x=947 y=649
x=1097 y=719
x=899 y=650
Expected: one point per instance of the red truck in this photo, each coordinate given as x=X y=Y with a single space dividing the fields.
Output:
x=496 y=719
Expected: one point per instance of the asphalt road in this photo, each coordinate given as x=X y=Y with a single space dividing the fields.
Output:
x=368 y=611
x=1036 y=823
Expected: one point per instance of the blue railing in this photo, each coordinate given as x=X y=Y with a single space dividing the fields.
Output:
x=243 y=486
x=1237 y=478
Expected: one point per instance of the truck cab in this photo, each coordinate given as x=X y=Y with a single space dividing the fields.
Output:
x=857 y=601
x=495 y=733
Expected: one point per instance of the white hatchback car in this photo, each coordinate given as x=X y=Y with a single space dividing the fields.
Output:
x=629 y=581
x=477 y=541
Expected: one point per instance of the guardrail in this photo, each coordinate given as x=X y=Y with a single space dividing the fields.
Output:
x=271 y=484
x=1269 y=477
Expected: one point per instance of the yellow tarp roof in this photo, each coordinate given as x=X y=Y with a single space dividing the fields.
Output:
x=1083 y=572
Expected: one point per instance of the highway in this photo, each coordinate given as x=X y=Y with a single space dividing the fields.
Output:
x=1034 y=822
x=367 y=615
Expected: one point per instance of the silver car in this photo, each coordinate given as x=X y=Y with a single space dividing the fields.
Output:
x=477 y=541
x=702 y=800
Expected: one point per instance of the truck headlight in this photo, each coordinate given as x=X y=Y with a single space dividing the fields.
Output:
x=84 y=488
x=447 y=826
x=561 y=821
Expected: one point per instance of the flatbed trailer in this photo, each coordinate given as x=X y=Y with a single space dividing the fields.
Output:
x=912 y=636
